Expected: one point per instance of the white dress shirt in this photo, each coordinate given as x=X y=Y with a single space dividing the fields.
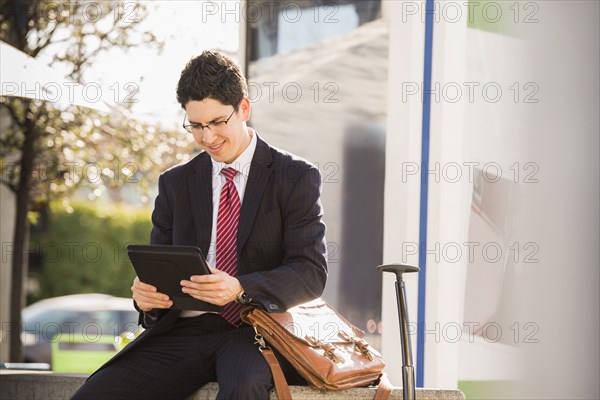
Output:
x=242 y=165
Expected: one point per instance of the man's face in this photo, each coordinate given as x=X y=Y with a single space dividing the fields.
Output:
x=223 y=142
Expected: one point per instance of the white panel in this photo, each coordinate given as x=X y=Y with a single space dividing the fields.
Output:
x=448 y=206
x=403 y=152
x=8 y=210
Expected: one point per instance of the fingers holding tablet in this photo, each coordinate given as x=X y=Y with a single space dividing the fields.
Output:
x=218 y=288
x=160 y=269
x=147 y=297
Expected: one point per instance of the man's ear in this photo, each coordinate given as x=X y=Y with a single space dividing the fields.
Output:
x=245 y=107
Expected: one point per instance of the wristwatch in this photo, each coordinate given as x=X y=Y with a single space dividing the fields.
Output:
x=242 y=298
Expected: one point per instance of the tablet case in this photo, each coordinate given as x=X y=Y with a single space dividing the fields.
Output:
x=164 y=266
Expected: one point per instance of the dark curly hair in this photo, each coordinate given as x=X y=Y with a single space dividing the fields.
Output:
x=212 y=75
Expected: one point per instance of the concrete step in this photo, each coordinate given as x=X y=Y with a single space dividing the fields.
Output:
x=20 y=385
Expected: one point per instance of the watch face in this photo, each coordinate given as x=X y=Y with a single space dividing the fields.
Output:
x=243 y=298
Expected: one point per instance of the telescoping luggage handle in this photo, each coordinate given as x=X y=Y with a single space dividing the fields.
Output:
x=408 y=373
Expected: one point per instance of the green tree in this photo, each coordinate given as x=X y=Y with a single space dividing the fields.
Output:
x=49 y=152
x=91 y=255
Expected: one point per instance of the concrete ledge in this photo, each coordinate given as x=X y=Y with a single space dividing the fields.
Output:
x=19 y=385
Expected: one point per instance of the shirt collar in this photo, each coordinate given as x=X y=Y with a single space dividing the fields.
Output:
x=242 y=163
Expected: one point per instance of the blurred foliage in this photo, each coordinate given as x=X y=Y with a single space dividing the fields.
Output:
x=47 y=152
x=74 y=33
x=84 y=250
x=82 y=147
x=76 y=147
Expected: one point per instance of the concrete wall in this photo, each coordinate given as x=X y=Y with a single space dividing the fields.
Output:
x=42 y=386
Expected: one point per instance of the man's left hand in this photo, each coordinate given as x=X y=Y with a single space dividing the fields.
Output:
x=218 y=288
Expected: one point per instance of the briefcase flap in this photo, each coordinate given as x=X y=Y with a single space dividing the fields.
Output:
x=326 y=349
x=315 y=323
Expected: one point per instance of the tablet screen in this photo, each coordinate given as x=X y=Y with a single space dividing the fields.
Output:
x=165 y=266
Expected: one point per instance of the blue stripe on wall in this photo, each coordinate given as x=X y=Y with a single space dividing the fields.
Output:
x=429 y=7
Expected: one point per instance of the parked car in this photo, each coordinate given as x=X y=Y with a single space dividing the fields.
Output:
x=78 y=319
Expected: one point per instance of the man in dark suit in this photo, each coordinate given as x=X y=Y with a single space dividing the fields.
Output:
x=256 y=212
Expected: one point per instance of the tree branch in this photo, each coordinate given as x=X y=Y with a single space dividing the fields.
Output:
x=15 y=117
x=41 y=46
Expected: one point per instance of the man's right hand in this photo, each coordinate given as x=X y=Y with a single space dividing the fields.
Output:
x=147 y=297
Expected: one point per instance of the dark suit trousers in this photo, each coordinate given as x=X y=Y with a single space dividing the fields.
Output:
x=194 y=352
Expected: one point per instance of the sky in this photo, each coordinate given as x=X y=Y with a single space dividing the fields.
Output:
x=187 y=28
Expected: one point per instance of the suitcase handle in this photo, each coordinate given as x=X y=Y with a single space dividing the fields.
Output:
x=408 y=372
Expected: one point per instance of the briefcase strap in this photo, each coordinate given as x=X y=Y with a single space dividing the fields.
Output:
x=384 y=389
x=281 y=386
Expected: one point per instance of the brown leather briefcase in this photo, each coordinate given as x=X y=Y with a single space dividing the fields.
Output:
x=326 y=349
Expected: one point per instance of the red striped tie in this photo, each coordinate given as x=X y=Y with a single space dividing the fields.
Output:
x=227 y=230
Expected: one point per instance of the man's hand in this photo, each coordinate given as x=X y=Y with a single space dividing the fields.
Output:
x=147 y=297
x=218 y=288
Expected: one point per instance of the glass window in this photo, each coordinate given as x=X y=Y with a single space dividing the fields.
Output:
x=284 y=26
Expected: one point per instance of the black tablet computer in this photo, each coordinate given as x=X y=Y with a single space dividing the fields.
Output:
x=165 y=266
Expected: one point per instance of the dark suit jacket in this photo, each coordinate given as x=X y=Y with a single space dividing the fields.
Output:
x=281 y=238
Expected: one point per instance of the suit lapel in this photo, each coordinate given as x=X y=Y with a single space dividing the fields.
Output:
x=200 y=191
x=260 y=172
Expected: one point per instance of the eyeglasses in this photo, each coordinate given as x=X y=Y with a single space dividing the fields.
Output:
x=191 y=128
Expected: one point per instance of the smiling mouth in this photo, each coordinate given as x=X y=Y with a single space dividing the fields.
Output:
x=215 y=148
